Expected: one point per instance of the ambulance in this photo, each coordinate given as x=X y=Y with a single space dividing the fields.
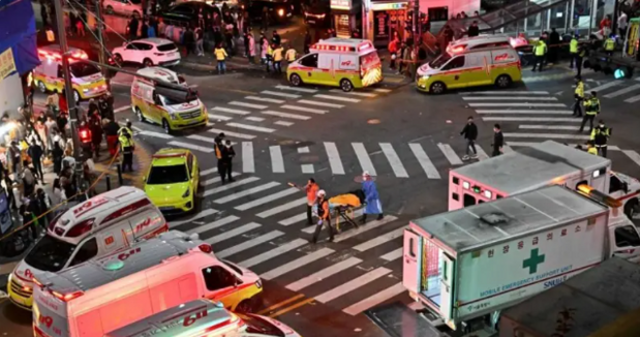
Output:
x=171 y=107
x=544 y=164
x=87 y=79
x=131 y=284
x=203 y=318
x=96 y=227
x=337 y=62
x=498 y=66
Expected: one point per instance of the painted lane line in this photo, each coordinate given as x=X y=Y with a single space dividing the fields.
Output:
x=334 y=158
x=303 y=109
x=268 y=255
x=533 y=119
x=310 y=229
x=427 y=165
x=191 y=146
x=377 y=241
x=507 y=149
x=323 y=274
x=382 y=90
x=393 y=255
x=284 y=87
x=277 y=163
x=373 y=224
x=307 y=169
x=606 y=86
x=526 y=104
x=234 y=232
x=623 y=91
x=450 y=154
x=529 y=144
x=505 y=92
x=282 y=208
x=220 y=117
x=338 y=98
x=354 y=93
x=255 y=119
x=251 y=127
x=204 y=213
x=297 y=263
x=283 y=123
x=248 y=165
x=294 y=219
x=155 y=134
x=281 y=94
x=352 y=285
x=208 y=171
x=213 y=225
x=481 y=154
x=267 y=199
x=231 y=111
x=507 y=98
x=632 y=99
x=394 y=160
x=248 y=105
x=202 y=138
x=545 y=135
x=249 y=244
x=549 y=127
x=328 y=105
x=363 y=158
x=526 y=112
x=376 y=299
x=122 y=108
x=216 y=179
x=265 y=99
x=230 y=186
x=285 y=115
x=633 y=155
x=232 y=134
x=245 y=193
x=303 y=149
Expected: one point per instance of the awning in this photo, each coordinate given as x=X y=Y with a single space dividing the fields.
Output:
x=19 y=34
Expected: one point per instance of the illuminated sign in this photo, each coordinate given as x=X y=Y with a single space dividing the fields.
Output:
x=341 y=4
x=8 y=65
x=388 y=6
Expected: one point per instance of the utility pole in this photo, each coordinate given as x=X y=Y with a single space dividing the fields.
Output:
x=99 y=30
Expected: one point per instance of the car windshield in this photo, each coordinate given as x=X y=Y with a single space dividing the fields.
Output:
x=167 y=101
x=82 y=69
x=50 y=254
x=167 y=47
x=440 y=61
x=173 y=174
x=258 y=325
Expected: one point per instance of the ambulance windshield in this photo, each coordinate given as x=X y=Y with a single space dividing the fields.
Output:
x=83 y=69
x=440 y=61
x=50 y=254
x=260 y=326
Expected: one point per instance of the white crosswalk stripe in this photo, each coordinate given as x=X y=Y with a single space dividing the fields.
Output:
x=250 y=127
x=323 y=274
x=219 y=117
x=231 y=233
x=426 y=164
x=369 y=226
x=190 y=146
x=285 y=115
x=232 y=134
x=231 y=111
x=450 y=154
x=249 y=244
x=623 y=91
x=533 y=119
x=248 y=105
x=355 y=93
x=481 y=154
x=277 y=162
x=255 y=119
x=376 y=299
x=283 y=123
x=524 y=112
x=334 y=158
x=304 y=109
x=324 y=104
x=268 y=255
x=307 y=168
x=393 y=255
x=382 y=90
x=155 y=134
x=202 y=138
x=632 y=99
x=294 y=219
x=363 y=158
x=283 y=207
x=606 y=86
x=505 y=92
x=633 y=155
x=281 y=94
x=205 y=213
x=508 y=98
x=297 y=263
x=230 y=186
x=394 y=160
x=208 y=171
x=550 y=127
x=352 y=285
x=213 y=225
x=241 y=194
x=265 y=99
x=338 y=98
x=284 y=87
x=544 y=135
x=526 y=104
x=216 y=179
x=267 y=199
x=248 y=165
x=379 y=240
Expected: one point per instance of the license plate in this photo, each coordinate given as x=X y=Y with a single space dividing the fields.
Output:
x=312 y=21
x=194 y=122
x=166 y=208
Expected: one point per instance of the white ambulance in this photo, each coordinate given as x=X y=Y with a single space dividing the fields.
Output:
x=98 y=226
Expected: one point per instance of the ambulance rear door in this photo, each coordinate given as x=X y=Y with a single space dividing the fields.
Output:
x=49 y=315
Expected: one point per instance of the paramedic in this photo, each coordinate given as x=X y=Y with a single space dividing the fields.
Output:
x=540 y=50
x=126 y=147
x=324 y=216
x=312 y=190
x=578 y=97
x=600 y=135
x=278 y=52
x=220 y=155
x=371 y=197
x=592 y=108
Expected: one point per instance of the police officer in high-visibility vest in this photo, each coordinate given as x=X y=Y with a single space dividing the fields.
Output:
x=540 y=50
x=269 y=58
x=600 y=135
x=218 y=146
x=592 y=109
x=578 y=97
x=609 y=45
x=591 y=149
x=127 y=128
x=573 y=50
x=126 y=147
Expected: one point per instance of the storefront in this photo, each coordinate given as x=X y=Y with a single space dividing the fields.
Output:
x=346 y=17
x=389 y=19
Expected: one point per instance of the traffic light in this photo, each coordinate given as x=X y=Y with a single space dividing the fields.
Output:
x=84 y=134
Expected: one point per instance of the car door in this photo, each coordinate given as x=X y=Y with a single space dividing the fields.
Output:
x=221 y=285
x=132 y=52
x=310 y=70
x=192 y=164
x=452 y=72
x=476 y=68
x=86 y=251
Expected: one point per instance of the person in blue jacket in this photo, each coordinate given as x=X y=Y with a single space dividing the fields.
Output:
x=372 y=199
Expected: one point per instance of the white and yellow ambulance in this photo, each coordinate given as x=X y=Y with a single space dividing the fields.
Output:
x=344 y=63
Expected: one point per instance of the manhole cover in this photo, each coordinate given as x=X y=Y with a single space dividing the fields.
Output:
x=373 y=121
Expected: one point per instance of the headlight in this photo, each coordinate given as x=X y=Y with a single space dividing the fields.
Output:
x=259 y=284
x=173 y=116
x=186 y=193
x=85 y=90
x=281 y=12
x=425 y=77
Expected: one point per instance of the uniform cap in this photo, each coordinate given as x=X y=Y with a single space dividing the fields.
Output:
x=321 y=193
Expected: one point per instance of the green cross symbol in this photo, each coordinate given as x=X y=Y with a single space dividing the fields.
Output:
x=533 y=261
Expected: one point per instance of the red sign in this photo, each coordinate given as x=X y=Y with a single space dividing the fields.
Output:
x=46 y=320
x=346 y=63
x=28 y=274
x=189 y=320
x=89 y=205
x=109 y=240
x=501 y=57
x=125 y=255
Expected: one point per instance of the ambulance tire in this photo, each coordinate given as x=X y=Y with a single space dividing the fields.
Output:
x=76 y=96
x=248 y=305
x=167 y=127
x=295 y=80
x=42 y=87
x=503 y=81
x=437 y=88
x=631 y=208
x=140 y=115
x=346 y=85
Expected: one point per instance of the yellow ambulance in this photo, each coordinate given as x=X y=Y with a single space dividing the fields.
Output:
x=498 y=66
x=344 y=63
x=86 y=78
x=165 y=105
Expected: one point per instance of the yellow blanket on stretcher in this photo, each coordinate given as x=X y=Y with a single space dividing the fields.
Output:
x=345 y=200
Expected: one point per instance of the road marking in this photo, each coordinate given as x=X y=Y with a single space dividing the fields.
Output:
x=303 y=109
x=255 y=119
x=283 y=123
x=303 y=149
x=328 y=105
x=268 y=255
x=334 y=158
x=297 y=263
x=248 y=165
x=425 y=162
x=232 y=134
x=544 y=135
x=294 y=219
x=527 y=112
x=382 y=90
x=282 y=208
x=532 y=119
x=213 y=225
x=338 y=98
x=369 y=226
x=323 y=274
x=264 y=99
x=632 y=99
x=376 y=299
x=392 y=255
x=505 y=92
x=508 y=98
x=526 y=104
x=352 y=285
x=280 y=304
x=291 y=308
x=249 y=244
x=248 y=105
x=216 y=179
x=606 y=86
x=285 y=115
x=284 y=87
x=281 y=94
x=190 y=146
x=241 y=194
x=451 y=155
x=363 y=158
x=267 y=199
x=155 y=134
x=622 y=91
x=481 y=154
x=231 y=111
x=310 y=229
x=201 y=138
x=122 y=108
x=506 y=149
x=220 y=117
x=384 y=238
x=394 y=160
x=208 y=171
x=230 y=186
x=549 y=127
x=251 y=127
x=307 y=168
x=354 y=93
x=529 y=144
x=204 y=213
x=633 y=155
x=277 y=163
x=234 y=232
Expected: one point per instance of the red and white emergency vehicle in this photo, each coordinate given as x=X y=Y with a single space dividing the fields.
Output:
x=113 y=291
x=203 y=318
x=96 y=227
x=544 y=164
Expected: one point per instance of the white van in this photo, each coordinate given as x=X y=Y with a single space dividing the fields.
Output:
x=113 y=291
x=98 y=226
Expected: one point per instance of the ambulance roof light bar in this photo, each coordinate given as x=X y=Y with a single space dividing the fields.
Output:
x=599 y=196
x=77 y=54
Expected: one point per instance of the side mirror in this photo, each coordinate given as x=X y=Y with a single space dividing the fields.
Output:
x=238 y=282
x=625 y=187
x=124 y=43
x=194 y=237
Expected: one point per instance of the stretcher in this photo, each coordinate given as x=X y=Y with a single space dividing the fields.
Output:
x=344 y=205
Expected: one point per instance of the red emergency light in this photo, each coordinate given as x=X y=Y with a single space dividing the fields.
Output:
x=85 y=135
x=78 y=54
x=67 y=297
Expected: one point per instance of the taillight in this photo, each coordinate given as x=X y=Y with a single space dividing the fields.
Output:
x=206 y=248
x=158 y=54
x=54 y=222
x=80 y=228
x=362 y=71
x=67 y=297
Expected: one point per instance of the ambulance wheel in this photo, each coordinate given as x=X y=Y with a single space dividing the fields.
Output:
x=295 y=80
x=437 y=88
x=42 y=87
x=76 y=96
x=503 y=81
x=140 y=115
x=247 y=305
x=631 y=208
x=147 y=63
x=109 y=10
x=166 y=127
x=346 y=85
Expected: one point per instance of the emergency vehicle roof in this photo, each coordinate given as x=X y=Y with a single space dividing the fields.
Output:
x=169 y=323
x=138 y=257
x=531 y=167
x=159 y=73
x=509 y=218
x=365 y=45
x=602 y=301
x=120 y=196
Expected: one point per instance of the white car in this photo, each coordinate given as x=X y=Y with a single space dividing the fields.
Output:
x=125 y=7
x=148 y=52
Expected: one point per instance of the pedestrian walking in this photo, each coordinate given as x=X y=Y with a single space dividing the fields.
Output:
x=622 y=24
x=498 y=141
x=312 y=190
x=58 y=196
x=36 y=151
x=592 y=109
x=221 y=57
x=126 y=147
x=133 y=28
x=600 y=136
x=15 y=158
x=199 y=33
x=371 y=197
x=28 y=182
x=29 y=219
x=578 y=97
x=111 y=132
x=264 y=50
x=269 y=62
x=57 y=153
x=228 y=154
x=554 y=43
x=324 y=217
x=470 y=133
x=43 y=203
x=393 y=48
x=251 y=48
x=540 y=50
x=278 y=52
x=218 y=147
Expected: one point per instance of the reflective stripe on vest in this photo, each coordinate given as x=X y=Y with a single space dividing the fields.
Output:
x=573 y=46
x=609 y=44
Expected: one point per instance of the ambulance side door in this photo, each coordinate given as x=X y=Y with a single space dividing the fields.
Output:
x=310 y=72
x=115 y=237
x=477 y=69
x=329 y=68
x=453 y=72
x=221 y=285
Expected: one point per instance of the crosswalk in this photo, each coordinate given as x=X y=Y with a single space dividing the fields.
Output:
x=275 y=244
x=627 y=91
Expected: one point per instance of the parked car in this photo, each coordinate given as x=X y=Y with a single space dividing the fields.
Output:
x=279 y=10
x=124 y=7
x=148 y=52
x=317 y=13
x=186 y=12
